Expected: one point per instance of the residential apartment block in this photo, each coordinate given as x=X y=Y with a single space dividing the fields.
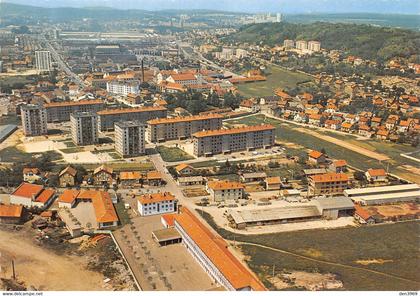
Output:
x=328 y=184
x=164 y=129
x=84 y=128
x=156 y=203
x=43 y=61
x=314 y=45
x=207 y=143
x=60 y=111
x=34 y=120
x=107 y=118
x=123 y=87
x=225 y=190
x=130 y=138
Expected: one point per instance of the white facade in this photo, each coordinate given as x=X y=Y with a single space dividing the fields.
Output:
x=156 y=208
x=314 y=46
x=34 y=120
x=302 y=45
x=130 y=138
x=84 y=128
x=123 y=87
x=43 y=61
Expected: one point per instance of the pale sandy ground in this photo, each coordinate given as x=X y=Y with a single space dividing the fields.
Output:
x=41 y=146
x=43 y=269
x=345 y=144
x=86 y=157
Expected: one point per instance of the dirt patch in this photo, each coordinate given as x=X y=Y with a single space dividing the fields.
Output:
x=195 y=192
x=314 y=253
x=306 y=280
x=411 y=169
x=345 y=144
x=373 y=261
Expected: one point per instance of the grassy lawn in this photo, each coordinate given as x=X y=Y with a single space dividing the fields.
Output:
x=286 y=132
x=173 y=154
x=122 y=213
x=393 y=242
x=69 y=144
x=10 y=119
x=12 y=154
x=278 y=78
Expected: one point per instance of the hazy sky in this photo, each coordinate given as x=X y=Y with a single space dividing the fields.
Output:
x=285 y=6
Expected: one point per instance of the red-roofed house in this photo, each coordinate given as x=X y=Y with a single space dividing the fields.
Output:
x=31 y=195
x=316 y=157
x=376 y=175
x=11 y=214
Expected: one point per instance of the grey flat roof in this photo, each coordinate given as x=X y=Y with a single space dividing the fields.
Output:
x=270 y=214
x=397 y=195
x=124 y=124
x=336 y=203
x=381 y=189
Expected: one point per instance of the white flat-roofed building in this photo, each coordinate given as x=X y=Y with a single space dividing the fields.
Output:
x=123 y=87
x=34 y=120
x=43 y=61
x=130 y=138
x=156 y=203
x=314 y=46
x=84 y=128
x=384 y=194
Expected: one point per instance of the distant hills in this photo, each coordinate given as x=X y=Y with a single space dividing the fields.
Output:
x=366 y=41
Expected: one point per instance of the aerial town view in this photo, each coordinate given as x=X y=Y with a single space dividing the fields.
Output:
x=219 y=146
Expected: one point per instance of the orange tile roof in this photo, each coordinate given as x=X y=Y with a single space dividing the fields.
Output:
x=183 y=77
x=102 y=204
x=182 y=166
x=184 y=119
x=315 y=154
x=273 y=180
x=28 y=190
x=68 y=196
x=153 y=175
x=45 y=196
x=131 y=110
x=340 y=163
x=216 y=249
x=222 y=185
x=155 y=197
x=362 y=212
x=73 y=103
x=376 y=172
x=330 y=177
x=11 y=211
x=253 y=128
x=31 y=170
x=130 y=175
x=169 y=219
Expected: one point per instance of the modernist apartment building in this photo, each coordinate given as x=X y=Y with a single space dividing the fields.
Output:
x=302 y=45
x=107 y=118
x=164 y=129
x=123 y=88
x=289 y=43
x=207 y=143
x=213 y=255
x=156 y=203
x=43 y=61
x=60 y=111
x=34 y=120
x=130 y=138
x=225 y=190
x=314 y=46
x=328 y=184
x=84 y=128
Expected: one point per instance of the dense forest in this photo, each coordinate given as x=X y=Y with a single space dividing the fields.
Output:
x=366 y=41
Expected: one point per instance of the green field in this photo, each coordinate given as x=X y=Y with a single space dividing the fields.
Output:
x=336 y=251
x=278 y=78
x=12 y=154
x=173 y=154
x=124 y=166
x=286 y=132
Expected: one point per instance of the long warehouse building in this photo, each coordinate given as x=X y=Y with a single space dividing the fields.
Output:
x=384 y=194
x=207 y=143
x=107 y=118
x=165 y=129
x=60 y=111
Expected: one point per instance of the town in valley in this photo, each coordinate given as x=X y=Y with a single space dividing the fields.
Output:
x=208 y=150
